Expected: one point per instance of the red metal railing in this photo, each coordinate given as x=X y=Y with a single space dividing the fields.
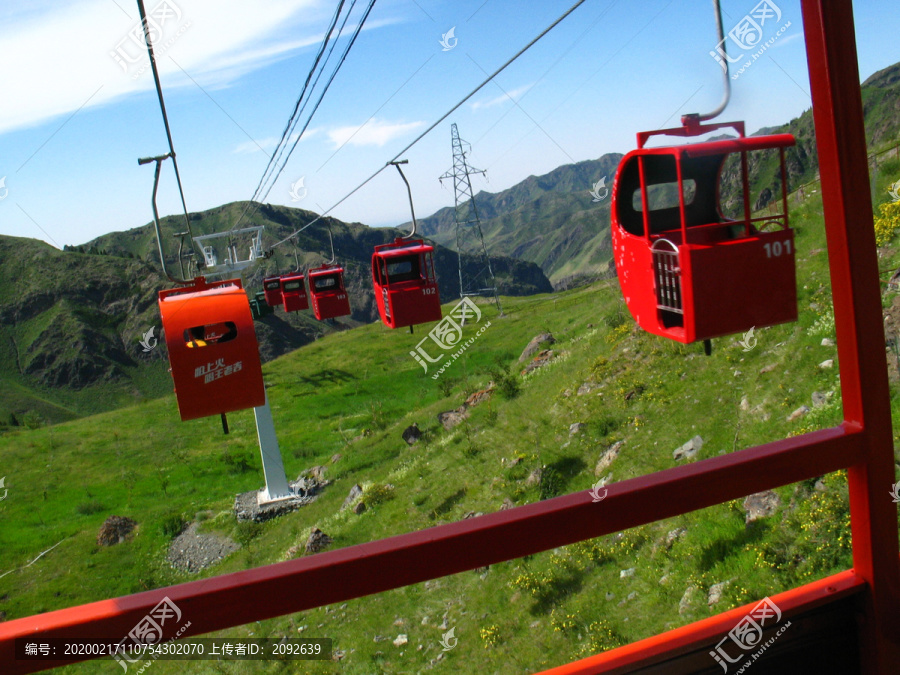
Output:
x=862 y=444
x=674 y=643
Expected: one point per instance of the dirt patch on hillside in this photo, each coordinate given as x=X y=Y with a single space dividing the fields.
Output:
x=191 y=551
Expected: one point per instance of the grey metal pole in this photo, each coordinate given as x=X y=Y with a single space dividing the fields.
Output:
x=277 y=487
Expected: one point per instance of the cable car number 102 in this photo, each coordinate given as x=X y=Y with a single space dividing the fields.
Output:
x=429 y=291
x=775 y=249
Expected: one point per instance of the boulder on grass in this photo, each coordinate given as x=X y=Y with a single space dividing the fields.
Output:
x=317 y=541
x=115 y=530
x=535 y=345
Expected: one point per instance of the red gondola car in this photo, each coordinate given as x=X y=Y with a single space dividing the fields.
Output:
x=212 y=348
x=272 y=291
x=326 y=287
x=688 y=272
x=406 y=290
x=293 y=293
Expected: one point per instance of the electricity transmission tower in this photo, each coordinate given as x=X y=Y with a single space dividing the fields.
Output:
x=476 y=277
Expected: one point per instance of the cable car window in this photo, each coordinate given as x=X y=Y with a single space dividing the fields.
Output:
x=211 y=334
x=273 y=285
x=323 y=283
x=665 y=195
x=731 y=185
x=404 y=269
x=292 y=285
x=378 y=271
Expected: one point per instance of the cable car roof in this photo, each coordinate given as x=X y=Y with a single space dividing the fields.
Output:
x=319 y=271
x=722 y=147
x=404 y=250
x=201 y=287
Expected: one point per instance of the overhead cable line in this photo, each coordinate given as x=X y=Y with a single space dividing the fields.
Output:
x=292 y=123
x=436 y=123
x=292 y=119
x=322 y=95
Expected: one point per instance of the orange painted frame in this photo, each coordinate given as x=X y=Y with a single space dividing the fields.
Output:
x=862 y=443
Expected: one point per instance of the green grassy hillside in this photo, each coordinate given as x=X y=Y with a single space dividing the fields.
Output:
x=70 y=326
x=353 y=393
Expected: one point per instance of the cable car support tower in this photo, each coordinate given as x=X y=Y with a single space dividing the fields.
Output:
x=469 y=238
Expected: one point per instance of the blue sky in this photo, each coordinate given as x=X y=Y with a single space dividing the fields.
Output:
x=73 y=122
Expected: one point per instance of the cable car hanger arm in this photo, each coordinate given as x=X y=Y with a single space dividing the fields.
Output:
x=694 y=118
x=692 y=122
x=412 y=210
x=331 y=240
x=296 y=259
x=159 y=159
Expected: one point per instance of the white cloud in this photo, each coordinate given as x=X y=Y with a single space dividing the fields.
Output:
x=374 y=132
x=60 y=57
x=781 y=42
x=503 y=98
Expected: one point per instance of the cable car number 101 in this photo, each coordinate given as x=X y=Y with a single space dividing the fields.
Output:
x=775 y=249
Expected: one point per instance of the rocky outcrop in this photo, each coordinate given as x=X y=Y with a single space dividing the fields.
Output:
x=115 y=530
x=317 y=541
x=538 y=341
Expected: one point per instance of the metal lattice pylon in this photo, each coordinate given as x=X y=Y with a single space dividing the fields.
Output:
x=476 y=278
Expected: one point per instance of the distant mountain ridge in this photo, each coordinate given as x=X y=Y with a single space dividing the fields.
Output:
x=354 y=244
x=551 y=220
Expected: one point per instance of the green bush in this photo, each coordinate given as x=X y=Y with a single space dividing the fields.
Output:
x=445 y=386
x=601 y=368
x=378 y=493
x=507 y=383
x=517 y=472
x=551 y=483
x=246 y=531
x=614 y=320
x=471 y=450
x=89 y=508
x=606 y=425
x=889 y=167
x=378 y=420
x=32 y=420
x=237 y=462
x=173 y=525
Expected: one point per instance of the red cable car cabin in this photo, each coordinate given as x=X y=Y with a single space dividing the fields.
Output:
x=272 y=291
x=212 y=348
x=293 y=293
x=329 y=297
x=688 y=272
x=405 y=286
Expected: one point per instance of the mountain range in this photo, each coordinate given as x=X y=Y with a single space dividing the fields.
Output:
x=71 y=322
